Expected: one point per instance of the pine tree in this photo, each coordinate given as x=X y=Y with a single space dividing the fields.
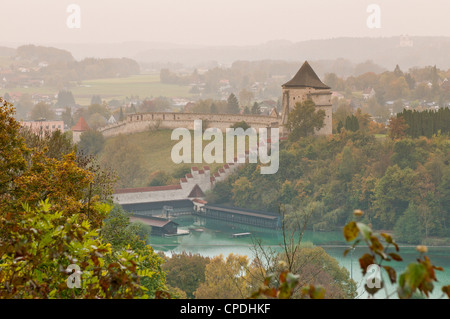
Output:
x=339 y=127
x=255 y=109
x=233 y=104
x=121 y=116
x=213 y=109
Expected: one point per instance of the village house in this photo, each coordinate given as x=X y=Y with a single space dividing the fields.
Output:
x=41 y=126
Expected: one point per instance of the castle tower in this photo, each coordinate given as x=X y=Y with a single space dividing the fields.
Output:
x=78 y=129
x=307 y=85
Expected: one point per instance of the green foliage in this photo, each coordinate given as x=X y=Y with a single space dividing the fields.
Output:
x=233 y=104
x=50 y=214
x=91 y=142
x=304 y=119
x=36 y=252
x=12 y=147
x=55 y=144
x=408 y=228
x=118 y=231
x=406 y=154
x=418 y=278
x=42 y=111
x=65 y=98
x=351 y=123
x=426 y=123
x=349 y=171
x=255 y=109
x=241 y=124
x=96 y=99
x=393 y=193
x=160 y=178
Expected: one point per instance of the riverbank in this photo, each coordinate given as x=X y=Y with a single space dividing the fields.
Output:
x=216 y=239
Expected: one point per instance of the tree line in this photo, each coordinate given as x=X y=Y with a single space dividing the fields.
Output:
x=426 y=123
x=391 y=180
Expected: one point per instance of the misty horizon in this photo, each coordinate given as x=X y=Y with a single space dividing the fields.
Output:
x=217 y=23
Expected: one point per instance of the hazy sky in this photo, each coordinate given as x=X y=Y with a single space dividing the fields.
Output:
x=216 y=22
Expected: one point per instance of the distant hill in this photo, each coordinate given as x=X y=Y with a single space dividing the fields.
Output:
x=342 y=54
x=39 y=53
x=386 y=52
x=7 y=52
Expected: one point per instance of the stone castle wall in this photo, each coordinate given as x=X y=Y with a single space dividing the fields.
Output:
x=198 y=176
x=136 y=123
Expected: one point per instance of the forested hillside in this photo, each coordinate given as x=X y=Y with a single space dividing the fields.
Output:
x=391 y=180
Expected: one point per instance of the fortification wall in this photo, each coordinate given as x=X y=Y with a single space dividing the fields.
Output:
x=136 y=123
x=150 y=196
x=198 y=176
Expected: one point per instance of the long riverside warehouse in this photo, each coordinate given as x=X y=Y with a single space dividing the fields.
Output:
x=240 y=216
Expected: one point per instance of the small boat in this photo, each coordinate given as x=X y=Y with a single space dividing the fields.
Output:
x=239 y=235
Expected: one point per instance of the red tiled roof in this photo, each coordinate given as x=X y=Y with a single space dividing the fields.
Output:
x=206 y=168
x=81 y=126
x=201 y=171
x=221 y=170
x=226 y=166
x=200 y=201
x=189 y=176
x=212 y=179
x=195 y=168
x=183 y=180
x=216 y=174
x=146 y=189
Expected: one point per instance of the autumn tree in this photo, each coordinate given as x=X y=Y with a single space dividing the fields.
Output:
x=186 y=271
x=40 y=245
x=13 y=150
x=49 y=220
x=397 y=127
x=225 y=278
x=242 y=191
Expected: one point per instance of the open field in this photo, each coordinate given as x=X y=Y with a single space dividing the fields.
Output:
x=143 y=85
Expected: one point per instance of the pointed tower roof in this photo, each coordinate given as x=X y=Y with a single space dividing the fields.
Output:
x=306 y=77
x=81 y=126
x=196 y=192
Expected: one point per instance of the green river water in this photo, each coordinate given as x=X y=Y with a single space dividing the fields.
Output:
x=215 y=239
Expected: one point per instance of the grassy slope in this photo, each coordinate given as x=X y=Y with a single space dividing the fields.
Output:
x=156 y=149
